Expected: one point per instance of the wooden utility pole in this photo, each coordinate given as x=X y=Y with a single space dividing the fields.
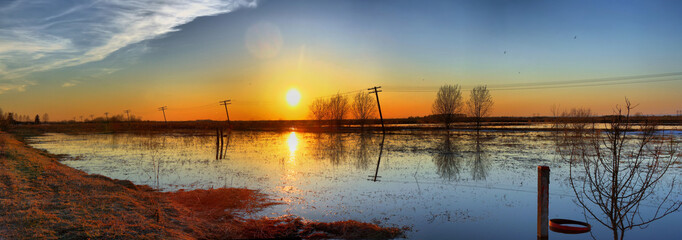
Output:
x=163 y=109
x=106 y=115
x=543 y=201
x=225 y=103
x=381 y=117
x=127 y=111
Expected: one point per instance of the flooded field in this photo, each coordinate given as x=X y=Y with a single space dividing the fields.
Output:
x=445 y=186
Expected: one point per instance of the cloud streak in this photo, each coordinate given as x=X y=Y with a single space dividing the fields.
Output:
x=41 y=35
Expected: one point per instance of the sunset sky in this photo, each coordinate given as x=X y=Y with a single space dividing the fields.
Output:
x=82 y=58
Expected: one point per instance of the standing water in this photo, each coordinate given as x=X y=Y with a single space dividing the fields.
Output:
x=445 y=186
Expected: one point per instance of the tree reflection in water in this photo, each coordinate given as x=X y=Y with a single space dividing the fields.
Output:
x=364 y=151
x=447 y=158
x=479 y=169
x=336 y=149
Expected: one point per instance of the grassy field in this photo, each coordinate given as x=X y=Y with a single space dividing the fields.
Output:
x=41 y=198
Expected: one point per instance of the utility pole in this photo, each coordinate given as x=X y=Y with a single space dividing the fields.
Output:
x=163 y=109
x=127 y=111
x=225 y=103
x=106 y=115
x=381 y=117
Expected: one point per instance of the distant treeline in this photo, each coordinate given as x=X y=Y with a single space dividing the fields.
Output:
x=430 y=122
x=10 y=118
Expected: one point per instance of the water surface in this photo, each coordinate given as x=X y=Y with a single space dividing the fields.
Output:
x=455 y=185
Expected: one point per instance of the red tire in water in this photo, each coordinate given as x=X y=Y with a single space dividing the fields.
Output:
x=558 y=225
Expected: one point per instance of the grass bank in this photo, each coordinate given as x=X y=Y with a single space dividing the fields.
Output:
x=41 y=198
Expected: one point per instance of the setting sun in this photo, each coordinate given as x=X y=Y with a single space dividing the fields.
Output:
x=293 y=97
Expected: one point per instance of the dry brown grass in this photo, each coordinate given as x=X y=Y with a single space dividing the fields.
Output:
x=41 y=198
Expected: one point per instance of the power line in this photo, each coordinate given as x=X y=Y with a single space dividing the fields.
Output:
x=588 y=85
x=592 y=82
x=208 y=105
x=343 y=93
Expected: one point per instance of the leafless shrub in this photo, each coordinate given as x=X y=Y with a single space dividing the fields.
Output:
x=614 y=172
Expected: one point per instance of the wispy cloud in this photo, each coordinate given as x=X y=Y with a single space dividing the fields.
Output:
x=15 y=85
x=70 y=83
x=89 y=74
x=40 y=35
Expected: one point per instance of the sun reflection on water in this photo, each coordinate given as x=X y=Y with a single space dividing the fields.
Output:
x=289 y=176
x=293 y=145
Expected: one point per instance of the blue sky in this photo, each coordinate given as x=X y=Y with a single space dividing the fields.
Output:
x=71 y=58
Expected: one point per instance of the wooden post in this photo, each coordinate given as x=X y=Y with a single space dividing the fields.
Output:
x=543 y=201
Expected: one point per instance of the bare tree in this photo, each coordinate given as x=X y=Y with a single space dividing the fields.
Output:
x=338 y=108
x=448 y=103
x=614 y=172
x=363 y=108
x=480 y=103
x=318 y=109
x=46 y=118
